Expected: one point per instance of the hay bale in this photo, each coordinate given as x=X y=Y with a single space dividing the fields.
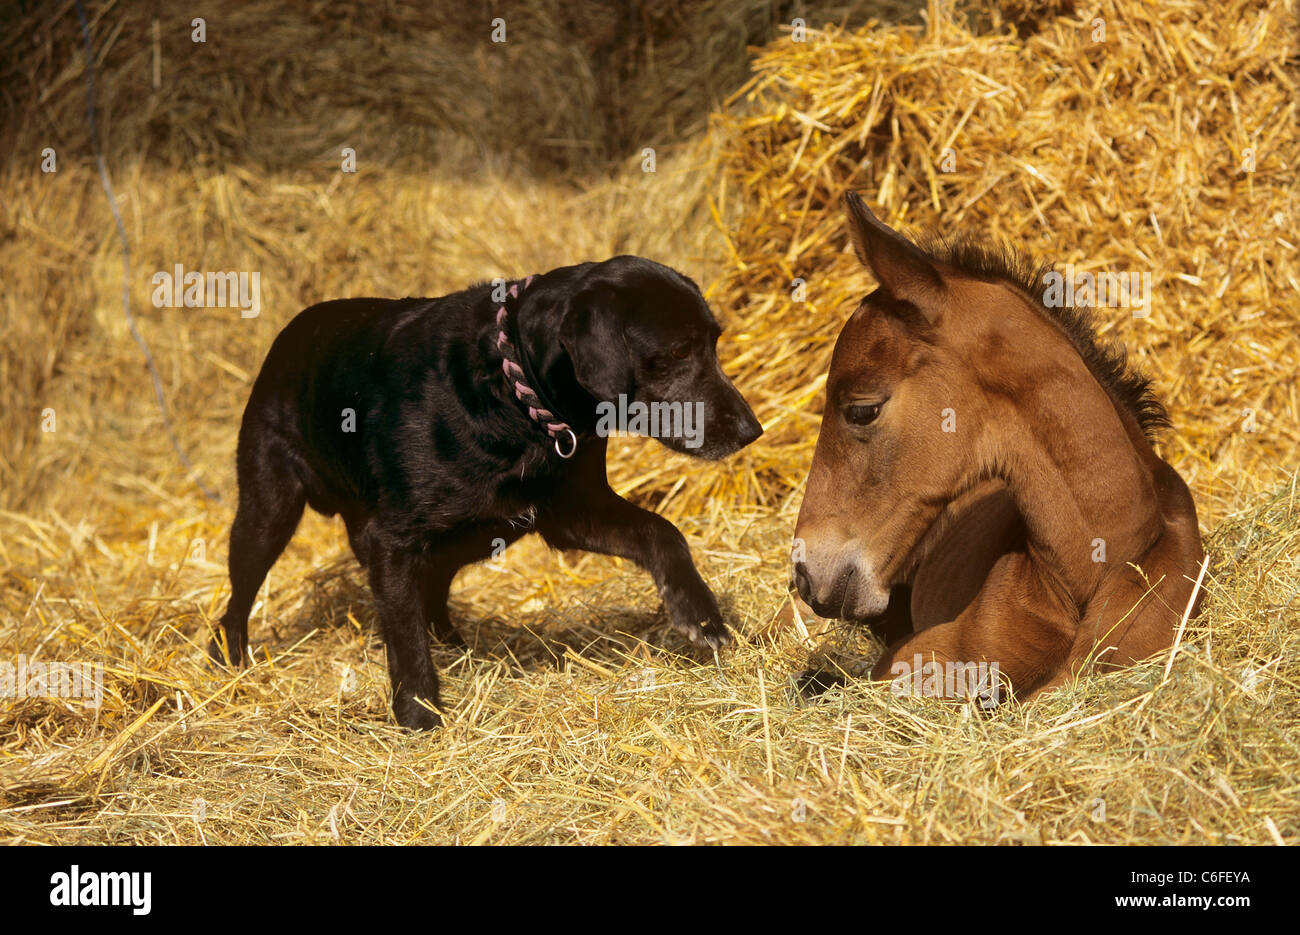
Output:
x=470 y=166
x=1122 y=155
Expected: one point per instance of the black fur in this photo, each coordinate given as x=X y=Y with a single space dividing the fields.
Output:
x=444 y=460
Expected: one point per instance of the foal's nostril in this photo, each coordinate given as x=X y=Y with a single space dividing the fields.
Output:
x=802 y=582
x=832 y=592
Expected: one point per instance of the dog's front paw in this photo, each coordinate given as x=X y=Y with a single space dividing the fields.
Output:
x=228 y=649
x=710 y=632
x=696 y=616
x=414 y=713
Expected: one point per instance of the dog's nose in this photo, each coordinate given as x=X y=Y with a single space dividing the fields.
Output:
x=750 y=429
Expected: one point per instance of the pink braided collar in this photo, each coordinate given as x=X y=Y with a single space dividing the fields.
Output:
x=528 y=396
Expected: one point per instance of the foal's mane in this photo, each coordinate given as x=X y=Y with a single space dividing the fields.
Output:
x=1108 y=361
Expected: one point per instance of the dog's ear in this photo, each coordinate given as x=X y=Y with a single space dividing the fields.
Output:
x=592 y=334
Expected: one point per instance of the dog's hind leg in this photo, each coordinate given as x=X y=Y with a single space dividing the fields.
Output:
x=271 y=502
x=358 y=526
x=435 y=586
x=451 y=553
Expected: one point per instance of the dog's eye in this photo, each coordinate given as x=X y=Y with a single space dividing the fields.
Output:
x=861 y=413
x=682 y=351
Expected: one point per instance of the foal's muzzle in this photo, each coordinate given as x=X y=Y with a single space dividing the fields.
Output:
x=841 y=585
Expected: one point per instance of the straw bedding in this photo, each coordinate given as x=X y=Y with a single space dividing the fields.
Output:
x=579 y=716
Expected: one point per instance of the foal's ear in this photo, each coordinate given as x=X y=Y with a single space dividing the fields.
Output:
x=901 y=267
x=592 y=334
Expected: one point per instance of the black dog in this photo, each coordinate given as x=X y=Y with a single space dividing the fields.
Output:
x=438 y=427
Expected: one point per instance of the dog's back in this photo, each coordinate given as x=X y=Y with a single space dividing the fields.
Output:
x=339 y=371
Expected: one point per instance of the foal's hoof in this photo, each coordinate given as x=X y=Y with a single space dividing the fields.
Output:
x=415 y=716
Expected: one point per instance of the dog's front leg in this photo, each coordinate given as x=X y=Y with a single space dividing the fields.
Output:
x=394 y=580
x=604 y=522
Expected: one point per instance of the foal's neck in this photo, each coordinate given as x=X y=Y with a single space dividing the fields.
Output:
x=1080 y=470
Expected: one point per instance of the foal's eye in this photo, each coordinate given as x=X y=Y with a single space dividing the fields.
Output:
x=862 y=414
x=682 y=351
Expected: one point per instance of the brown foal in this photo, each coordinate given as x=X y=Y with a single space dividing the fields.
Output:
x=985 y=461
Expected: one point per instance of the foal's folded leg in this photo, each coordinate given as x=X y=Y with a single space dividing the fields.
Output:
x=957 y=660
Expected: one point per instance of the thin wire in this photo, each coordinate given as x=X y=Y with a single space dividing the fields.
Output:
x=211 y=495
